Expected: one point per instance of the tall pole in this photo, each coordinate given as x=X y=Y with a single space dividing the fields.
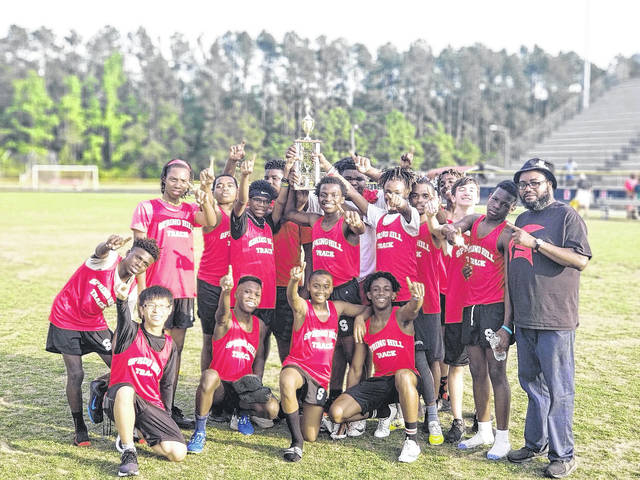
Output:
x=586 y=79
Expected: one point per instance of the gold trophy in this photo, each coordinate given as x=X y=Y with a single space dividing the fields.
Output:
x=307 y=166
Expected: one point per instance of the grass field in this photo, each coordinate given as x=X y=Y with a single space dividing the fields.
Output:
x=45 y=237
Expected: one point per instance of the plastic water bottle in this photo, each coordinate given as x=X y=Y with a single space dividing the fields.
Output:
x=494 y=341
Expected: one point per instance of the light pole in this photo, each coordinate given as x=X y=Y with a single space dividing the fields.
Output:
x=507 y=142
x=354 y=127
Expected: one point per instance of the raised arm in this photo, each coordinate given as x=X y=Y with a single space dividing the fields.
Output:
x=209 y=214
x=363 y=164
x=409 y=311
x=236 y=154
x=223 y=313
x=113 y=242
x=297 y=304
x=240 y=203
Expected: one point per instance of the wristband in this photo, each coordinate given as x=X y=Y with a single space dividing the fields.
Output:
x=507 y=329
x=284 y=182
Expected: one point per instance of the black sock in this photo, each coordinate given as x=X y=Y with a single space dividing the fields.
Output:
x=293 y=422
x=78 y=421
x=383 y=412
x=411 y=429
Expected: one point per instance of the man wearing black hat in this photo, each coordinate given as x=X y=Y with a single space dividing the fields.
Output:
x=548 y=249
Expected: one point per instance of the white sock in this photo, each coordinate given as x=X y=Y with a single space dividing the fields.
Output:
x=501 y=446
x=483 y=437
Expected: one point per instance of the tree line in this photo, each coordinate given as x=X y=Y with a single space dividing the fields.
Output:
x=128 y=103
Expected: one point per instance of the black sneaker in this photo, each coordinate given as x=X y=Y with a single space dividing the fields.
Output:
x=181 y=420
x=97 y=389
x=560 y=469
x=525 y=454
x=128 y=464
x=455 y=432
x=81 y=438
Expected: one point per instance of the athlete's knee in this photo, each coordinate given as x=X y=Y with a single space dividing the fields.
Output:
x=174 y=451
x=336 y=412
x=75 y=376
x=209 y=381
x=405 y=379
x=287 y=383
x=498 y=373
x=310 y=435
x=126 y=393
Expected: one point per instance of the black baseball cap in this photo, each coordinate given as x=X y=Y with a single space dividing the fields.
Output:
x=543 y=166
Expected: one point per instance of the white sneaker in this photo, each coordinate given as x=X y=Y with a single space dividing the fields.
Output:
x=384 y=424
x=339 y=431
x=262 y=422
x=355 y=429
x=233 y=424
x=410 y=451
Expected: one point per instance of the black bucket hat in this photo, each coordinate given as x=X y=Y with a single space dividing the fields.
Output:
x=543 y=166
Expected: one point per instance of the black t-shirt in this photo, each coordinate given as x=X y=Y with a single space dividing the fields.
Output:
x=238 y=225
x=543 y=293
x=125 y=334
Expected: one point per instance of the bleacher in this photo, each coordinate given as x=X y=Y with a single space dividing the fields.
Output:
x=603 y=138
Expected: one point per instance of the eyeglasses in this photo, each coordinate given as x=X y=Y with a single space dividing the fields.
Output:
x=156 y=306
x=534 y=184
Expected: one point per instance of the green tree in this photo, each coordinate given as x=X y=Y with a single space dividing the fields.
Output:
x=400 y=137
x=72 y=123
x=93 y=134
x=113 y=119
x=31 y=118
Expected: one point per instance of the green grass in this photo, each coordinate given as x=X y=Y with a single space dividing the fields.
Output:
x=46 y=236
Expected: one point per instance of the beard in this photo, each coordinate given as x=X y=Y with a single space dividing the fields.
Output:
x=540 y=203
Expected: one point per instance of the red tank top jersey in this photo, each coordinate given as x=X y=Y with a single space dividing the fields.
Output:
x=428 y=270
x=391 y=348
x=252 y=254
x=80 y=303
x=333 y=253
x=312 y=346
x=286 y=245
x=396 y=253
x=305 y=235
x=172 y=228
x=214 y=263
x=457 y=285
x=233 y=354
x=486 y=284
x=143 y=367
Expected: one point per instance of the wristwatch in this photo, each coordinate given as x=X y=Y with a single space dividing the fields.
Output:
x=539 y=243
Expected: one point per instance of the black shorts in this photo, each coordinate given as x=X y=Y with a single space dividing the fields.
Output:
x=443 y=301
x=266 y=315
x=428 y=336
x=455 y=352
x=311 y=392
x=182 y=314
x=155 y=424
x=347 y=292
x=375 y=393
x=282 y=323
x=78 y=342
x=208 y=298
x=481 y=317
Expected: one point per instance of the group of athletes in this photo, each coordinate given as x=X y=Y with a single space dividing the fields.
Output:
x=394 y=288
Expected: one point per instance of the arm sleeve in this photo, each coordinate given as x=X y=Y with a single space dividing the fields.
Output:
x=238 y=225
x=126 y=328
x=168 y=377
x=412 y=227
x=142 y=216
x=575 y=234
x=97 y=263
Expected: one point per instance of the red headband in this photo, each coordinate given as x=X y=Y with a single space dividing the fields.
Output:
x=179 y=162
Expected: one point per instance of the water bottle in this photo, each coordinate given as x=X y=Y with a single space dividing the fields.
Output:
x=494 y=341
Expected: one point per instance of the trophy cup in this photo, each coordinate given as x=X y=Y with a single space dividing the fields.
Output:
x=306 y=166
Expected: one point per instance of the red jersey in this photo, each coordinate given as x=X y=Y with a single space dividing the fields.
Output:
x=429 y=260
x=312 y=346
x=305 y=235
x=88 y=292
x=215 y=260
x=391 y=348
x=143 y=367
x=333 y=253
x=286 y=245
x=252 y=254
x=234 y=353
x=486 y=284
x=442 y=269
x=457 y=285
x=396 y=253
x=172 y=228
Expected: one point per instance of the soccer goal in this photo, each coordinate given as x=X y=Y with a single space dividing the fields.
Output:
x=64 y=177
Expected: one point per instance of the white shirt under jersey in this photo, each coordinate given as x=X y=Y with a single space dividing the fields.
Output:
x=367 y=239
x=95 y=263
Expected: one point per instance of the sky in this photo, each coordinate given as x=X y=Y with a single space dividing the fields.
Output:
x=554 y=25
